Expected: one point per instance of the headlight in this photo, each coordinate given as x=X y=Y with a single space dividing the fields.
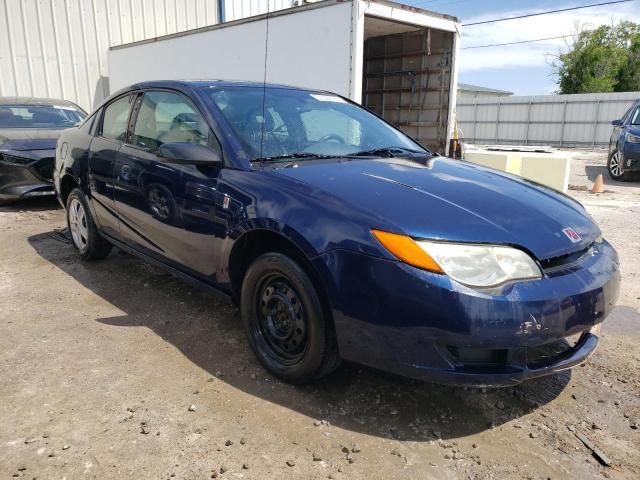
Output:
x=473 y=265
x=481 y=265
x=633 y=138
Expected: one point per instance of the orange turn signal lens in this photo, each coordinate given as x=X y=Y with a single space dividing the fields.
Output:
x=407 y=250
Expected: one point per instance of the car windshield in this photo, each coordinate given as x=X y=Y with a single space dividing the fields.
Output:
x=39 y=116
x=279 y=123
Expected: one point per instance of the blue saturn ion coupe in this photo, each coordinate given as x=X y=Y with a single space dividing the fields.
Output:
x=338 y=236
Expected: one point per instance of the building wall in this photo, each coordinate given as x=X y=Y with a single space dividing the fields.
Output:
x=557 y=120
x=58 y=48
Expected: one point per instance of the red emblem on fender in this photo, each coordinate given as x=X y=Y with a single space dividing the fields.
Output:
x=572 y=234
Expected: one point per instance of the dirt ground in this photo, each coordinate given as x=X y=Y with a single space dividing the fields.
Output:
x=115 y=369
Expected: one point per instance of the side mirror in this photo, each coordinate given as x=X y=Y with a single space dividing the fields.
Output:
x=617 y=123
x=189 y=154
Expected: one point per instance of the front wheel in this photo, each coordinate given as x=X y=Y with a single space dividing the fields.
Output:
x=615 y=166
x=84 y=234
x=285 y=320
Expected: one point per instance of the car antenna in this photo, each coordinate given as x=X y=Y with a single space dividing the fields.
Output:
x=264 y=84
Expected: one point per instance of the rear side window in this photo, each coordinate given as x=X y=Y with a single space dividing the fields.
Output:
x=116 y=118
x=166 y=117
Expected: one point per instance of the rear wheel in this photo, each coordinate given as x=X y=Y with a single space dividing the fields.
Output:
x=615 y=166
x=84 y=234
x=285 y=320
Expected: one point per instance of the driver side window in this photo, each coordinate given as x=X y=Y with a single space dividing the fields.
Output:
x=166 y=117
x=635 y=117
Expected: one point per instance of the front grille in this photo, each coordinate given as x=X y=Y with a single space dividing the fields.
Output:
x=477 y=358
x=44 y=167
x=563 y=260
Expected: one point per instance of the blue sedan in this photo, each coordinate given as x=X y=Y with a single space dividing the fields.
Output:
x=339 y=237
x=624 y=145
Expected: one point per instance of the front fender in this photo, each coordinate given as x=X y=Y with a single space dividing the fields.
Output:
x=242 y=230
x=311 y=219
x=274 y=226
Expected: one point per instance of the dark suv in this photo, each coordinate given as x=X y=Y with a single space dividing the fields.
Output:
x=624 y=146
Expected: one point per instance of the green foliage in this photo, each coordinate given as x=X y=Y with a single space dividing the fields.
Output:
x=605 y=59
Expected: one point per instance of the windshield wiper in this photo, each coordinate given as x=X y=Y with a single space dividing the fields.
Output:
x=388 y=152
x=302 y=155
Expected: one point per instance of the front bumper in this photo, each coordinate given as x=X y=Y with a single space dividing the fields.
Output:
x=403 y=320
x=25 y=177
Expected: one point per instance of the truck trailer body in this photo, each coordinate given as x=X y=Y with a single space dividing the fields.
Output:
x=396 y=60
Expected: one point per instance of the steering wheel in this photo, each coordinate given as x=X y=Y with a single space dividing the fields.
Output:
x=332 y=136
x=282 y=128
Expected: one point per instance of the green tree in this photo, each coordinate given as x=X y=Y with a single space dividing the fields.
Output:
x=604 y=59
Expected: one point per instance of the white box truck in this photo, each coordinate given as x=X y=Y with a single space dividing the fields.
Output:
x=398 y=61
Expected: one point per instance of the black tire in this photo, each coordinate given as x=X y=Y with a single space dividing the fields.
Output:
x=85 y=238
x=286 y=324
x=615 y=167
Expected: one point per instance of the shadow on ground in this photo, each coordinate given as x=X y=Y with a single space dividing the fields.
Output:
x=210 y=335
x=35 y=204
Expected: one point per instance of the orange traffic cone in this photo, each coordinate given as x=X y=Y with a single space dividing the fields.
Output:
x=598 y=185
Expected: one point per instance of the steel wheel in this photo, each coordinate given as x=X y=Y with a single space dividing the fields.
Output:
x=281 y=319
x=287 y=325
x=616 y=165
x=78 y=224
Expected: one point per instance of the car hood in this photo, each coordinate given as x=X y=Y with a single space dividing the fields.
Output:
x=456 y=201
x=20 y=139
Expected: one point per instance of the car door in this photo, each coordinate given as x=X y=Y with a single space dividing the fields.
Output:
x=110 y=135
x=168 y=210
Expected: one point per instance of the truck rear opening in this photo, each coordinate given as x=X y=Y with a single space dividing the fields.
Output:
x=407 y=78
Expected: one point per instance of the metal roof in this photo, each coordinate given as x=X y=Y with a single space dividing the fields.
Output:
x=467 y=87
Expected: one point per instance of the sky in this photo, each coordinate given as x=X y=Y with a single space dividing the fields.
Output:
x=523 y=69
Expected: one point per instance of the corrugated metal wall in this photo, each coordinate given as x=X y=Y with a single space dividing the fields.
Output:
x=237 y=9
x=558 y=120
x=58 y=48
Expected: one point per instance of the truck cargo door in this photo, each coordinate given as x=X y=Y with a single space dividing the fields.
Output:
x=406 y=80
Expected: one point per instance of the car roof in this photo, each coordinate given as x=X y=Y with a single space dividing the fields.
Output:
x=35 y=101
x=209 y=83
x=196 y=84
